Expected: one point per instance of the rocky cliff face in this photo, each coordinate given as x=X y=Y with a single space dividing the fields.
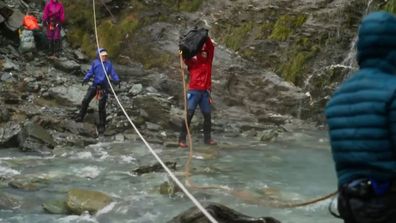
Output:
x=296 y=40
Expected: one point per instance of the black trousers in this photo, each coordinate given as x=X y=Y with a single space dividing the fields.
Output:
x=367 y=209
x=91 y=93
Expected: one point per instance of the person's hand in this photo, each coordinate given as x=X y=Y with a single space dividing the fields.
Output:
x=84 y=82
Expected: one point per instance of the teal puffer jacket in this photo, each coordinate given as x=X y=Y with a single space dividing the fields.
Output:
x=361 y=115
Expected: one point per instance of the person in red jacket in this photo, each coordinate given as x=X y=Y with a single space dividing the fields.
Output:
x=200 y=69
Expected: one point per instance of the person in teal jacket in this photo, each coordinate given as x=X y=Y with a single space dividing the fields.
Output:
x=361 y=116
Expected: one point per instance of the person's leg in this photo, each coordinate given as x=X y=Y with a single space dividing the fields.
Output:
x=206 y=110
x=85 y=103
x=102 y=113
x=192 y=102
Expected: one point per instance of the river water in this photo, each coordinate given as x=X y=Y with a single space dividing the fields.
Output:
x=298 y=167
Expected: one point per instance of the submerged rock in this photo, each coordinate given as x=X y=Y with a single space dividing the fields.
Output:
x=154 y=168
x=221 y=213
x=79 y=200
x=8 y=202
x=55 y=207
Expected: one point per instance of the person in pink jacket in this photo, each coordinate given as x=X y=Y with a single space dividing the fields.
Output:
x=53 y=18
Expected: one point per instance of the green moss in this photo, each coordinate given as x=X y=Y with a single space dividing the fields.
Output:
x=235 y=36
x=285 y=25
x=390 y=6
x=112 y=35
x=294 y=69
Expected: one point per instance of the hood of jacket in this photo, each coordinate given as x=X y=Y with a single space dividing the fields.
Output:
x=376 y=46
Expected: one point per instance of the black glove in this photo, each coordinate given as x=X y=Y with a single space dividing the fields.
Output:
x=84 y=82
x=117 y=83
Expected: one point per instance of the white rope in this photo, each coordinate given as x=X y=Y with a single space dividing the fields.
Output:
x=174 y=178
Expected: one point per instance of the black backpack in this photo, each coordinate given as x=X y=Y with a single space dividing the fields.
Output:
x=191 y=43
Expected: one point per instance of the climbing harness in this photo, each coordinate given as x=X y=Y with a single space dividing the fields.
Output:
x=174 y=178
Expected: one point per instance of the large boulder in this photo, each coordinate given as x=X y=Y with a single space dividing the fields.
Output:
x=79 y=200
x=33 y=137
x=221 y=213
x=71 y=95
x=157 y=108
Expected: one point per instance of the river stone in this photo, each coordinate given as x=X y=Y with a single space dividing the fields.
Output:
x=8 y=202
x=9 y=134
x=15 y=20
x=33 y=137
x=71 y=95
x=66 y=65
x=155 y=168
x=156 y=107
x=55 y=207
x=80 y=200
x=221 y=213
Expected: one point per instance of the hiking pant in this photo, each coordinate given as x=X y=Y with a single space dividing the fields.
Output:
x=195 y=98
x=102 y=95
x=367 y=207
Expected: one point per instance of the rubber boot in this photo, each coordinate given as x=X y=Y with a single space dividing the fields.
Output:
x=207 y=128
x=183 y=129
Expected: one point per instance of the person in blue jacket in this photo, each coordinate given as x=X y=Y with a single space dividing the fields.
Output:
x=361 y=116
x=99 y=88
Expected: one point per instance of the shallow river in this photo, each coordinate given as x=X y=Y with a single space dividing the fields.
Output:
x=297 y=168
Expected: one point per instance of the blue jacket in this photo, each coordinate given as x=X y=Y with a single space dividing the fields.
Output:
x=98 y=73
x=361 y=115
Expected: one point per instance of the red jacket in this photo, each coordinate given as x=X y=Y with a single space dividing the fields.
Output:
x=200 y=68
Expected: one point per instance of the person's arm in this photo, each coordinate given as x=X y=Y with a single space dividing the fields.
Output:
x=90 y=72
x=209 y=47
x=113 y=74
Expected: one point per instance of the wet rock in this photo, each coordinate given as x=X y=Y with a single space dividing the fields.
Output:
x=66 y=65
x=7 y=77
x=79 y=200
x=71 y=95
x=169 y=188
x=33 y=137
x=8 y=202
x=154 y=168
x=80 y=128
x=4 y=115
x=156 y=107
x=9 y=65
x=80 y=56
x=9 y=134
x=221 y=213
x=15 y=20
x=55 y=207
x=136 y=89
x=10 y=97
x=27 y=183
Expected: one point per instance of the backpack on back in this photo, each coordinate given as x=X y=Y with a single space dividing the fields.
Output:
x=191 y=43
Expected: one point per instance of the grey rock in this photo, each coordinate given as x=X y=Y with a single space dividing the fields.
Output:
x=15 y=20
x=79 y=201
x=66 y=65
x=8 y=134
x=8 y=202
x=221 y=213
x=136 y=89
x=35 y=138
x=9 y=65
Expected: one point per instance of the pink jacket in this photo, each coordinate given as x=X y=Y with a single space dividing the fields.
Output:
x=54 y=10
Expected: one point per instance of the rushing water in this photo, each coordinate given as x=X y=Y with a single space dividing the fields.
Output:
x=298 y=168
